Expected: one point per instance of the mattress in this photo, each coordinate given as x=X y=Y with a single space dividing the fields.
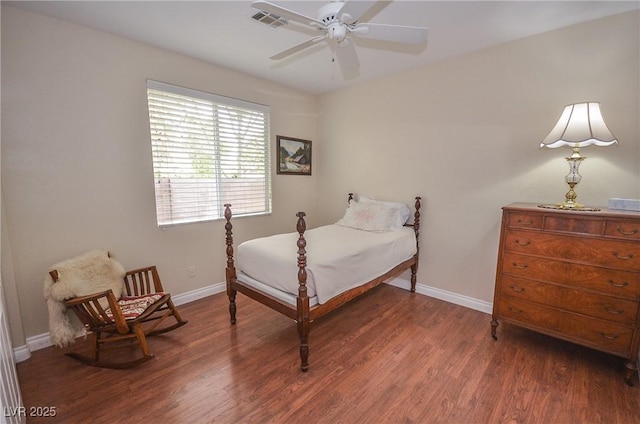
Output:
x=289 y=298
x=338 y=258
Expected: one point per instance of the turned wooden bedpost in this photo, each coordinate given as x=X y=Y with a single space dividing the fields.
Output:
x=416 y=228
x=303 y=299
x=231 y=269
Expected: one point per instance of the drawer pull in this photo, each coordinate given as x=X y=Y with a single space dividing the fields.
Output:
x=517 y=289
x=612 y=310
x=609 y=336
x=523 y=244
x=627 y=233
x=529 y=222
x=614 y=284
x=515 y=310
x=515 y=265
x=624 y=258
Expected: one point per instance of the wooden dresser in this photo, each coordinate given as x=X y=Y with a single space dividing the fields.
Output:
x=572 y=275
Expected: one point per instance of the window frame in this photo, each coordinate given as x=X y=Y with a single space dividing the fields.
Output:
x=254 y=143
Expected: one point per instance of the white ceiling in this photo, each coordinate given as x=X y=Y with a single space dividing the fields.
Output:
x=222 y=32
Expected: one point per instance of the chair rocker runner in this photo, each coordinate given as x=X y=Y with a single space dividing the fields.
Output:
x=138 y=314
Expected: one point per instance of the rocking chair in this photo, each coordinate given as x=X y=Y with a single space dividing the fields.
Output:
x=138 y=314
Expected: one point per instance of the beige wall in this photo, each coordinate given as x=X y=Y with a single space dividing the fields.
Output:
x=464 y=134
x=76 y=157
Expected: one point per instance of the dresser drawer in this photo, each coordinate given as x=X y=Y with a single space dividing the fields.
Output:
x=624 y=229
x=605 y=280
x=593 y=332
x=571 y=299
x=574 y=225
x=524 y=220
x=618 y=254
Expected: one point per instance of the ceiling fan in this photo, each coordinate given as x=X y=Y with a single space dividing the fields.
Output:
x=338 y=21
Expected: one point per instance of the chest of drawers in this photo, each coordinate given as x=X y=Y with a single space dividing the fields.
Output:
x=572 y=275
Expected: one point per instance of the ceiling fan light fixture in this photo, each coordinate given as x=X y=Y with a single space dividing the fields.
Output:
x=337 y=32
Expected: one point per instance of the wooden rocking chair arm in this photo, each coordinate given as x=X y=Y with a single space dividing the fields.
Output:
x=88 y=298
x=92 y=308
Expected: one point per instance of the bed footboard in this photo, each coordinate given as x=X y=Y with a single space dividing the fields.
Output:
x=302 y=311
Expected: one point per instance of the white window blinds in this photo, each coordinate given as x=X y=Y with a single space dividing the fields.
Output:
x=208 y=150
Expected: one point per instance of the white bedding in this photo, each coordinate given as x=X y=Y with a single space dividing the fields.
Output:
x=338 y=258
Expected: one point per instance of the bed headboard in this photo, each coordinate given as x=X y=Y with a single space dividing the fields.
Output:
x=416 y=214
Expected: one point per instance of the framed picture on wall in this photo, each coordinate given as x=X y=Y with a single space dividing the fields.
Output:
x=294 y=155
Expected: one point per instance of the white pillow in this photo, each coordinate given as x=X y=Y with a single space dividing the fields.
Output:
x=370 y=216
x=402 y=210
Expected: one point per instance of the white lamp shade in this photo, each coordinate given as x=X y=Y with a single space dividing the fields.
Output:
x=580 y=125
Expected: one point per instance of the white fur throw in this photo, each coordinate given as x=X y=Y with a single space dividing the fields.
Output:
x=89 y=273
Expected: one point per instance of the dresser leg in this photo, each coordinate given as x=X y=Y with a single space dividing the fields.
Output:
x=631 y=370
x=494 y=327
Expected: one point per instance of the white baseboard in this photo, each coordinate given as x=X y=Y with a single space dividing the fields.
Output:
x=22 y=353
x=41 y=341
x=181 y=299
x=447 y=296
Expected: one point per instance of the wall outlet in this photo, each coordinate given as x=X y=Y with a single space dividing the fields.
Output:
x=191 y=271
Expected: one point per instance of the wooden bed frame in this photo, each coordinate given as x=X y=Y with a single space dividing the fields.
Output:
x=302 y=313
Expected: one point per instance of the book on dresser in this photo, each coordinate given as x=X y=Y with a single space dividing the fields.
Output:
x=572 y=274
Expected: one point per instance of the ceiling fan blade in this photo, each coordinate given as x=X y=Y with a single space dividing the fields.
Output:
x=298 y=47
x=394 y=33
x=347 y=57
x=352 y=10
x=286 y=13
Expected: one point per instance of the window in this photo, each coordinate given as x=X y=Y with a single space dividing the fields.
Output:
x=208 y=150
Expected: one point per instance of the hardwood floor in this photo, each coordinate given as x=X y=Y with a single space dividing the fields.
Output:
x=388 y=356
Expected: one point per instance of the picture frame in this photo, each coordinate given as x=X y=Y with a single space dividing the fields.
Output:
x=293 y=156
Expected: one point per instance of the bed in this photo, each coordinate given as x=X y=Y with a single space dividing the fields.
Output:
x=372 y=243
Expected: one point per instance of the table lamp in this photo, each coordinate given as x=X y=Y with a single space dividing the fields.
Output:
x=580 y=125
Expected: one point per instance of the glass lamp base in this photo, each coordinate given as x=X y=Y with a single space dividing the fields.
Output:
x=573 y=178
